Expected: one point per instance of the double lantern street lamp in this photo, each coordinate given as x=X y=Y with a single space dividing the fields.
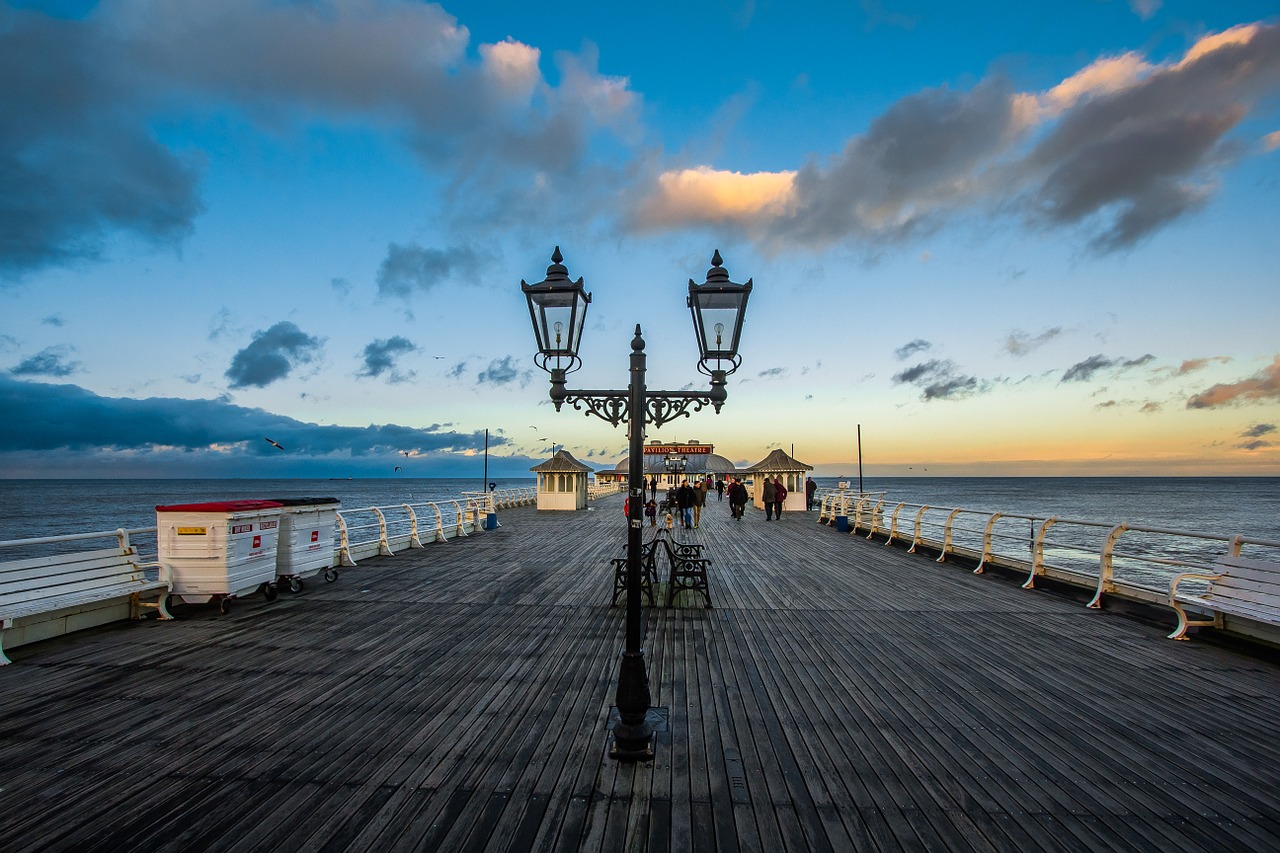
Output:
x=558 y=309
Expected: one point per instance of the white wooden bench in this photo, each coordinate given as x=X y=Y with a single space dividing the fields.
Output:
x=1249 y=589
x=48 y=596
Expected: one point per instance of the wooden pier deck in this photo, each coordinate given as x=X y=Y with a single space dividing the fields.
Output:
x=841 y=695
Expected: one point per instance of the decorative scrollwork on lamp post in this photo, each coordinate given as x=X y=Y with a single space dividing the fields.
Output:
x=558 y=309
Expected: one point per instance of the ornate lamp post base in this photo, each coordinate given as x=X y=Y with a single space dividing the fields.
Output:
x=632 y=736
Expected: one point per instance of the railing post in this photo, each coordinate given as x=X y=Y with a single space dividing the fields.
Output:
x=915 y=538
x=414 y=541
x=893 y=525
x=1037 y=553
x=1105 y=566
x=344 y=543
x=439 y=523
x=986 y=541
x=946 y=535
x=459 y=530
x=384 y=546
x=877 y=515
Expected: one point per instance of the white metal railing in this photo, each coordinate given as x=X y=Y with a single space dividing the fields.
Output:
x=599 y=490
x=1122 y=559
x=384 y=530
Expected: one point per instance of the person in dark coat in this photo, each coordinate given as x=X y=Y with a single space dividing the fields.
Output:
x=809 y=488
x=737 y=498
x=769 y=494
x=719 y=490
x=685 y=500
x=653 y=487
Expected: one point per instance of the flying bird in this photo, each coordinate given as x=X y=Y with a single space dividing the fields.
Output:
x=274 y=444
x=398 y=468
x=405 y=452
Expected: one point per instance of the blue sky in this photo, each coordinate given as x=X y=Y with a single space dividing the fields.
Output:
x=1003 y=238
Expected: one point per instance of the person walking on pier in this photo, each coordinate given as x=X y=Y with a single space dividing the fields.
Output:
x=737 y=498
x=699 y=501
x=651 y=512
x=810 y=487
x=769 y=493
x=653 y=487
x=684 y=500
x=719 y=490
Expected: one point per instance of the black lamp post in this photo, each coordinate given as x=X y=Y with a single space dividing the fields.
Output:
x=558 y=307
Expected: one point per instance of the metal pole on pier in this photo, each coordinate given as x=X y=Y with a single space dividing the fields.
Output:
x=859 y=458
x=484 y=487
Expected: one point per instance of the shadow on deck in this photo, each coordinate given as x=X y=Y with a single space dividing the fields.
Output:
x=841 y=695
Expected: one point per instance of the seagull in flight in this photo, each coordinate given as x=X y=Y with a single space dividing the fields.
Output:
x=398 y=468
x=274 y=444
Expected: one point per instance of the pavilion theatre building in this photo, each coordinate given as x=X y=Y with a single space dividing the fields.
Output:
x=672 y=464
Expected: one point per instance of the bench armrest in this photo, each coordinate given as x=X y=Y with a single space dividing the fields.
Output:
x=1177 y=579
x=165 y=573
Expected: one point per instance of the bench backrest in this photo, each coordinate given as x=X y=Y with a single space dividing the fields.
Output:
x=39 y=578
x=1254 y=581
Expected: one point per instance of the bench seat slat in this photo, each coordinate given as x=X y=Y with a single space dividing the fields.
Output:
x=58 y=560
x=121 y=568
x=72 y=587
x=1260 y=613
x=37 y=574
x=58 y=602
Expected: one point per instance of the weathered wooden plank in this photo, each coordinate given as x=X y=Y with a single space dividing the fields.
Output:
x=842 y=695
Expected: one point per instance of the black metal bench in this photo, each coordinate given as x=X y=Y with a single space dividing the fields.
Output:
x=688 y=567
x=648 y=576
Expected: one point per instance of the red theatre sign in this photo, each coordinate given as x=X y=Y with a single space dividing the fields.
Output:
x=682 y=449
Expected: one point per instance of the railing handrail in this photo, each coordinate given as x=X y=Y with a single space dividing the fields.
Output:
x=927 y=519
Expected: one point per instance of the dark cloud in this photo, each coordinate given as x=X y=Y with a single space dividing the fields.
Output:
x=51 y=361
x=1085 y=370
x=1260 y=388
x=1257 y=444
x=54 y=320
x=1113 y=153
x=1021 y=343
x=380 y=359
x=773 y=373
x=272 y=355
x=79 y=162
x=911 y=170
x=57 y=417
x=1258 y=430
x=939 y=380
x=412 y=268
x=502 y=371
x=77 y=159
x=909 y=349
x=457 y=370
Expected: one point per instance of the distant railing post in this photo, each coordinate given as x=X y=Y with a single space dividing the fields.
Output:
x=877 y=515
x=459 y=530
x=384 y=546
x=414 y=541
x=1037 y=554
x=946 y=535
x=344 y=543
x=893 y=525
x=915 y=538
x=986 y=541
x=1105 y=566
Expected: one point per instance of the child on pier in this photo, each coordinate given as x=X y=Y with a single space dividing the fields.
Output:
x=651 y=512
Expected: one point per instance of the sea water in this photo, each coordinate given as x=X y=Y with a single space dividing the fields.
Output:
x=1226 y=506
x=31 y=508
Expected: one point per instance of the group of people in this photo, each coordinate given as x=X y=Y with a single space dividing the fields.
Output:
x=690 y=499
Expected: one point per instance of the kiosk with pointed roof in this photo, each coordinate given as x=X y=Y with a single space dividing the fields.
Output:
x=792 y=472
x=562 y=482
